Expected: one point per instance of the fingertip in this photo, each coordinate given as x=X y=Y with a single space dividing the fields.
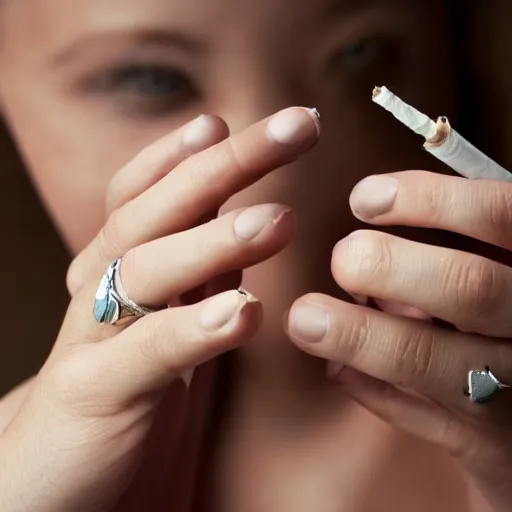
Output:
x=204 y=131
x=373 y=196
x=231 y=313
x=298 y=127
x=251 y=314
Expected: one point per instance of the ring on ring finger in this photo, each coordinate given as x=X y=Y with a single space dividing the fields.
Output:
x=112 y=305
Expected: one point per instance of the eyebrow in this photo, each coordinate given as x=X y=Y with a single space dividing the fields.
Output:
x=137 y=37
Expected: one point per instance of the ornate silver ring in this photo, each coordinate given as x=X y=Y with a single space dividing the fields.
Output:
x=112 y=305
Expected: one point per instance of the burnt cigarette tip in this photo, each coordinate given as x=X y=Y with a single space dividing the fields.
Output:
x=376 y=91
x=442 y=133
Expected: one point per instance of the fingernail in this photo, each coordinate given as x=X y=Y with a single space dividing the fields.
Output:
x=221 y=309
x=298 y=127
x=198 y=134
x=252 y=221
x=334 y=369
x=308 y=323
x=373 y=196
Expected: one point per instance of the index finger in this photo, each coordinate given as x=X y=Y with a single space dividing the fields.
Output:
x=479 y=209
x=196 y=187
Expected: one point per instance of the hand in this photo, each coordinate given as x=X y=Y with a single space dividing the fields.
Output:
x=81 y=431
x=412 y=372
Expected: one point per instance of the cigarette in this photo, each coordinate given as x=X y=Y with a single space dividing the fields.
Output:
x=441 y=140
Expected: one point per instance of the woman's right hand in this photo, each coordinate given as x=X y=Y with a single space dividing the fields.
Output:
x=81 y=431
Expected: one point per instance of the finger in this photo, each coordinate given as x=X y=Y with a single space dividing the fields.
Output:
x=412 y=354
x=390 y=306
x=158 y=159
x=469 y=291
x=409 y=412
x=198 y=186
x=477 y=446
x=236 y=240
x=161 y=270
x=206 y=180
x=158 y=348
x=476 y=208
x=144 y=171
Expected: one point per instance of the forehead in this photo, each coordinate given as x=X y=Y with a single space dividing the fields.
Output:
x=59 y=20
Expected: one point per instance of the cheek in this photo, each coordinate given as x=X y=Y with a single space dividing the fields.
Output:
x=71 y=183
x=72 y=154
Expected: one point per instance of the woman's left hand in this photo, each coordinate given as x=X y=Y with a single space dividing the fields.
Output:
x=410 y=371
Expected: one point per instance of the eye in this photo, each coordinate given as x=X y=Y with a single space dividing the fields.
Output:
x=153 y=81
x=364 y=54
x=146 y=89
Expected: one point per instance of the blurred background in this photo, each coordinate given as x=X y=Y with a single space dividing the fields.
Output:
x=33 y=261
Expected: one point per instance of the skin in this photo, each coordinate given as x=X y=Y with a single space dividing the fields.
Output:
x=309 y=445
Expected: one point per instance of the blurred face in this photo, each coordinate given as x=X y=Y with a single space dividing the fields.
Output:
x=86 y=85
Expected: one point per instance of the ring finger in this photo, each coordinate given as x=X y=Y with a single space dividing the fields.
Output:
x=196 y=187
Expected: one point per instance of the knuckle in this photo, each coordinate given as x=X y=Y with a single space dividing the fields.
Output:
x=479 y=290
x=114 y=197
x=118 y=192
x=75 y=276
x=134 y=274
x=230 y=155
x=158 y=347
x=351 y=339
x=74 y=383
x=108 y=241
x=450 y=433
x=480 y=452
x=432 y=200
x=204 y=167
x=362 y=256
x=500 y=212
x=413 y=357
x=201 y=168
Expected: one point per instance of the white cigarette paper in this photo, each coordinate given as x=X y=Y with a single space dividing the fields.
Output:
x=442 y=140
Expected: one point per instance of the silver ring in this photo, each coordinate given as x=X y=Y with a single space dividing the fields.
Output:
x=483 y=385
x=112 y=305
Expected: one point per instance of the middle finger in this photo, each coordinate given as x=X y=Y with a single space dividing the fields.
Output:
x=469 y=291
x=198 y=186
